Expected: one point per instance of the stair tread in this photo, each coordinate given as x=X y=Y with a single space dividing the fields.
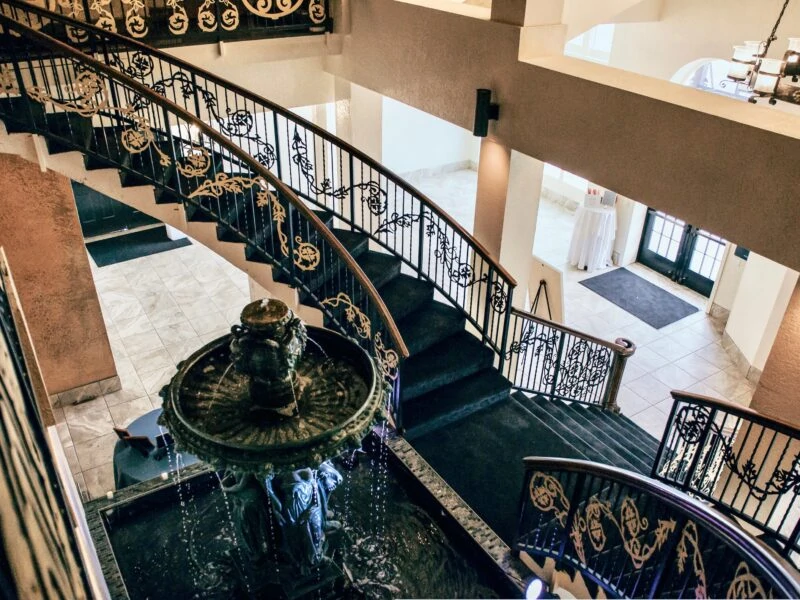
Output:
x=380 y=268
x=404 y=294
x=646 y=444
x=598 y=446
x=446 y=404
x=452 y=359
x=430 y=323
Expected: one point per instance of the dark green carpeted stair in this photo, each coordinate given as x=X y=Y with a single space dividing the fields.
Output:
x=481 y=455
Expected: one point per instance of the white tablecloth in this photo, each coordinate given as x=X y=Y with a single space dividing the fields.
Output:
x=593 y=237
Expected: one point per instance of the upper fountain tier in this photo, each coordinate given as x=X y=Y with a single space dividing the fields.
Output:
x=261 y=400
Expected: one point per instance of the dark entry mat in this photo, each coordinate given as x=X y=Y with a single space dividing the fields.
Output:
x=648 y=302
x=133 y=245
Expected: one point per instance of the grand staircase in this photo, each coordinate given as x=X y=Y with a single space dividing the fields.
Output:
x=408 y=283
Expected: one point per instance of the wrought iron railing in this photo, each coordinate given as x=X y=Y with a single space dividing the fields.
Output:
x=744 y=463
x=638 y=538
x=319 y=167
x=78 y=103
x=184 y=22
x=558 y=362
x=368 y=198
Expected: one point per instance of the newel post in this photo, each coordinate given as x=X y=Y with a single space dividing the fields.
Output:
x=621 y=355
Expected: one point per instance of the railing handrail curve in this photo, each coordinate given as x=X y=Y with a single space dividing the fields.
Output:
x=235 y=150
x=621 y=346
x=721 y=526
x=289 y=115
x=738 y=410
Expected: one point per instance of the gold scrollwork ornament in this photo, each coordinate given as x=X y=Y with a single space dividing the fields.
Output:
x=547 y=495
x=264 y=8
x=105 y=19
x=134 y=21
x=306 y=255
x=316 y=11
x=388 y=360
x=8 y=81
x=178 y=21
x=354 y=315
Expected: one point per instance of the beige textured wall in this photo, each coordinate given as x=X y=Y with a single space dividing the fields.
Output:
x=736 y=179
x=41 y=234
x=778 y=391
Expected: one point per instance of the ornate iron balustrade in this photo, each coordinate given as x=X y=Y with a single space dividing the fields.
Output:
x=548 y=359
x=318 y=167
x=637 y=538
x=746 y=464
x=78 y=103
x=184 y=22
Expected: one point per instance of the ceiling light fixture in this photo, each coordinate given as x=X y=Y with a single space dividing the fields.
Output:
x=767 y=77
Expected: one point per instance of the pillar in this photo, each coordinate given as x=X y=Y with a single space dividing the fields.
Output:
x=506 y=210
x=778 y=387
x=41 y=234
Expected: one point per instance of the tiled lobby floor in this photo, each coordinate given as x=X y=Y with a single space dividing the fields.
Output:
x=160 y=308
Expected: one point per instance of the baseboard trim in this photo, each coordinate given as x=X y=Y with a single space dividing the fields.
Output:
x=751 y=373
x=89 y=391
x=461 y=165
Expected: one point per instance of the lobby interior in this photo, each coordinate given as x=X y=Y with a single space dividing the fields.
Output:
x=617 y=95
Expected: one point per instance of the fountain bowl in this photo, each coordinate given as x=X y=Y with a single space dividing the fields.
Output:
x=339 y=396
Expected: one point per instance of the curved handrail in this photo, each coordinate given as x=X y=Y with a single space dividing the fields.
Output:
x=738 y=410
x=234 y=151
x=743 y=462
x=621 y=345
x=463 y=261
x=661 y=530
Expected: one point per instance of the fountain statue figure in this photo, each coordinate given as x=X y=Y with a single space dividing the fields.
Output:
x=302 y=512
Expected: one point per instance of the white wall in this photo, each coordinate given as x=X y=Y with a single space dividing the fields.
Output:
x=414 y=140
x=630 y=222
x=728 y=280
x=764 y=293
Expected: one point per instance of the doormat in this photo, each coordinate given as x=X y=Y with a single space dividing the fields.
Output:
x=133 y=245
x=644 y=300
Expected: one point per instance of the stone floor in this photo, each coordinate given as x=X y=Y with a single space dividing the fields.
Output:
x=160 y=308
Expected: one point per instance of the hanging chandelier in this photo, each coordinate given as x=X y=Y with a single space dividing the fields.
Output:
x=768 y=77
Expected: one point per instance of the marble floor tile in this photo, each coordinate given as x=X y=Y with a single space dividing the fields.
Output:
x=728 y=384
x=126 y=412
x=697 y=366
x=152 y=360
x=97 y=451
x=669 y=348
x=99 y=480
x=646 y=359
x=139 y=343
x=80 y=483
x=715 y=354
x=210 y=321
x=133 y=326
x=72 y=460
x=631 y=403
x=652 y=420
x=156 y=303
x=153 y=381
x=62 y=428
x=650 y=388
x=182 y=350
x=168 y=316
x=674 y=377
x=176 y=333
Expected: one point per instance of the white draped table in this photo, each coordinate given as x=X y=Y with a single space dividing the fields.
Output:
x=593 y=237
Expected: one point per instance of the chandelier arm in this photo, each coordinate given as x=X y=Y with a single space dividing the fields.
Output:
x=772 y=36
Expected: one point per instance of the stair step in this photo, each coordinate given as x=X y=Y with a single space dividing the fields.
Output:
x=453 y=402
x=18 y=112
x=590 y=441
x=379 y=268
x=405 y=294
x=455 y=358
x=75 y=130
x=608 y=428
x=625 y=432
x=559 y=426
x=106 y=150
x=429 y=324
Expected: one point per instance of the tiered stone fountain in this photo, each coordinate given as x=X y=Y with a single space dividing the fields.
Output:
x=269 y=404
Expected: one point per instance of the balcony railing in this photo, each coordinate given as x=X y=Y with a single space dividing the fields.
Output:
x=551 y=360
x=185 y=22
x=744 y=463
x=634 y=537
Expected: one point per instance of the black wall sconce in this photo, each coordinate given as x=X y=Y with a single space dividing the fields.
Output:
x=485 y=110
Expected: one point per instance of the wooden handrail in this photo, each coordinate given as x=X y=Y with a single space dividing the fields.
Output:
x=621 y=346
x=229 y=146
x=361 y=156
x=737 y=409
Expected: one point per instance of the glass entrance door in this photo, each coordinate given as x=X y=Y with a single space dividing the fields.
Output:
x=684 y=253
